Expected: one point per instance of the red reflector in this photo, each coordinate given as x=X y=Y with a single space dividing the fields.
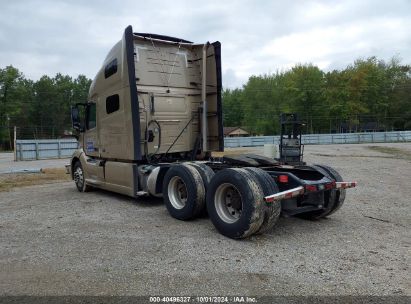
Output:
x=283 y=178
x=330 y=186
x=310 y=188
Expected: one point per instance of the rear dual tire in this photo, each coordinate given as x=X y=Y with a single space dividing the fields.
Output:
x=183 y=192
x=272 y=211
x=205 y=171
x=235 y=203
x=206 y=175
x=234 y=197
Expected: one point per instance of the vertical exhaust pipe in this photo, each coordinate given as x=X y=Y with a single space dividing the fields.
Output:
x=204 y=128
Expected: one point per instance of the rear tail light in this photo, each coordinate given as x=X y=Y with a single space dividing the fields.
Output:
x=310 y=188
x=283 y=178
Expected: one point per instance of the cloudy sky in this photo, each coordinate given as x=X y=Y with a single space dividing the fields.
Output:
x=258 y=37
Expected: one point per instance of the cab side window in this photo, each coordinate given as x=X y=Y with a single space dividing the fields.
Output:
x=91 y=116
x=111 y=68
x=112 y=103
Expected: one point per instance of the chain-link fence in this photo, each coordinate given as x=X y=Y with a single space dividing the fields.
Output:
x=9 y=134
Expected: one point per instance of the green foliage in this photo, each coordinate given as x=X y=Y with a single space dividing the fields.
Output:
x=40 y=109
x=232 y=108
x=368 y=91
x=306 y=93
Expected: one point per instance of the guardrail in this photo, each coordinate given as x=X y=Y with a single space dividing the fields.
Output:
x=30 y=149
x=323 y=139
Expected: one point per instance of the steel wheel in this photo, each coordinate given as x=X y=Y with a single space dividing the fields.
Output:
x=79 y=179
x=235 y=203
x=183 y=192
x=78 y=176
x=228 y=203
x=177 y=192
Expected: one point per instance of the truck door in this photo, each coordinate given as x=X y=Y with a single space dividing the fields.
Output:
x=91 y=144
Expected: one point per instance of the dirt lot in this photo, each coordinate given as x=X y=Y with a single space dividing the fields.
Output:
x=57 y=241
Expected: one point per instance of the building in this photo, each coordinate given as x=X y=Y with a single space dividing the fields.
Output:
x=235 y=132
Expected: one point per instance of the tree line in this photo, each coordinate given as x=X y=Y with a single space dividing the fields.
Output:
x=40 y=109
x=368 y=95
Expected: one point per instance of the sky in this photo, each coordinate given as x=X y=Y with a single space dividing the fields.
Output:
x=258 y=37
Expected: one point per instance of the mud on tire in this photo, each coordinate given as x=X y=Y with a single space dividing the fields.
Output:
x=235 y=203
x=206 y=175
x=183 y=192
x=205 y=171
x=272 y=211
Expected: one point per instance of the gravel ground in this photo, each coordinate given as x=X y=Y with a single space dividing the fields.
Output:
x=57 y=241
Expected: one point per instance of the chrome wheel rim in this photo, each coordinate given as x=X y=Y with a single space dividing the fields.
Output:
x=228 y=203
x=177 y=192
x=78 y=176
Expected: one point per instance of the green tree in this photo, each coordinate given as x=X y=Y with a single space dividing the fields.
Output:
x=305 y=86
x=14 y=92
x=232 y=107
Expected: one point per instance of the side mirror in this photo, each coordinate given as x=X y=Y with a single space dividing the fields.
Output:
x=75 y=119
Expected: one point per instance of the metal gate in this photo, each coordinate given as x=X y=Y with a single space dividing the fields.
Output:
x=32 y=149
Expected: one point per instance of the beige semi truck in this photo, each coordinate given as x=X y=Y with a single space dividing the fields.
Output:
x=151 y=122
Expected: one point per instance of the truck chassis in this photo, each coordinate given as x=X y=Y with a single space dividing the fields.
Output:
x=240 y=199
x=151 y=123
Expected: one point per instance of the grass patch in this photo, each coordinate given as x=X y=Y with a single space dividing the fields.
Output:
x=396 y=152
x=48 y=176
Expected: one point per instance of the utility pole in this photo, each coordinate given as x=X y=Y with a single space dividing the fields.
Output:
x=15 y=145
x=8 y=130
